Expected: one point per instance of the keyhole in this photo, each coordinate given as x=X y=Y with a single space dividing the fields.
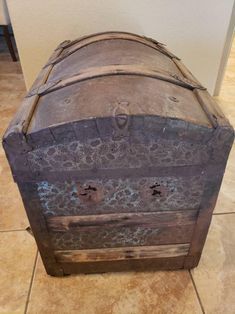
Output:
x=156 y=190
x=90 y=194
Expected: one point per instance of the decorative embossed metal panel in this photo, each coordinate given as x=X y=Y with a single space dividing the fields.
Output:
x=119 y=153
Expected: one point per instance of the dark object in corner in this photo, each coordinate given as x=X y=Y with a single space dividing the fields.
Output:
x=8 y=40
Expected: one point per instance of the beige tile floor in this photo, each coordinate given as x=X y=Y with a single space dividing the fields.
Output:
x=25 y=287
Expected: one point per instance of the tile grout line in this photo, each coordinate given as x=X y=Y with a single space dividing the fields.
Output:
x=196 y=291
x=12 y=230
x=31 y=283
x=227 y=213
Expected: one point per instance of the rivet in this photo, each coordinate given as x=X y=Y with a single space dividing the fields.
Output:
x=124 y=103
x=67 y=100
x=172 y=98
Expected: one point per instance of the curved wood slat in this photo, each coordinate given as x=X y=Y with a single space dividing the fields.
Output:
x=110 y=36
x=14 y=135
x=186 y=73
x=110 y=70
x=68 y=43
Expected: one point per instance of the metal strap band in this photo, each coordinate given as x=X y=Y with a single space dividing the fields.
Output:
x=85 y=41
x=110 y=70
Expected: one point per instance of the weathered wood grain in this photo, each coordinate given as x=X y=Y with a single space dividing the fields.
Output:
x=39 y=228
x=121 y=230
x=110 y=70
x=19 y=124
x=185 y=71
x=14 y=140
x=115 y=254
x=68 y=43
x=211 y=108
x=157 y=220
x=74 y=46
x=146 y=264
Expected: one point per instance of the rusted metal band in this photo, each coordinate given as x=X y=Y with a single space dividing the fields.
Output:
x=85 y=41
x=110 y=70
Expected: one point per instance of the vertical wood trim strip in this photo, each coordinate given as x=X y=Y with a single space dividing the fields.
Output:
x=212 y=109
x=202 y=225
x=38 y=224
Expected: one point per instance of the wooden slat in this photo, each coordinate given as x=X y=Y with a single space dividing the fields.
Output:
x=29 y=194
x=109 y=70
x=98 y=237
x=157 y=220
x=68 y=43
x=182 y=171
x=14 y=135
x=211 y=108
x=209 y=198
x=114 y=254
x=208 y=104
x=187 y=74
x=81 y=43
x=149 y=264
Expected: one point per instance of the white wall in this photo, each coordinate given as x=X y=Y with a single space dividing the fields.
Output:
x=193 y=30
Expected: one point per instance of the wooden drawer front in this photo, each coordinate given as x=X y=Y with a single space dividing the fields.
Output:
x=121 y=230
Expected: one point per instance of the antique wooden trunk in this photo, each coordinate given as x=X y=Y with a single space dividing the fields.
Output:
x=118 y=153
